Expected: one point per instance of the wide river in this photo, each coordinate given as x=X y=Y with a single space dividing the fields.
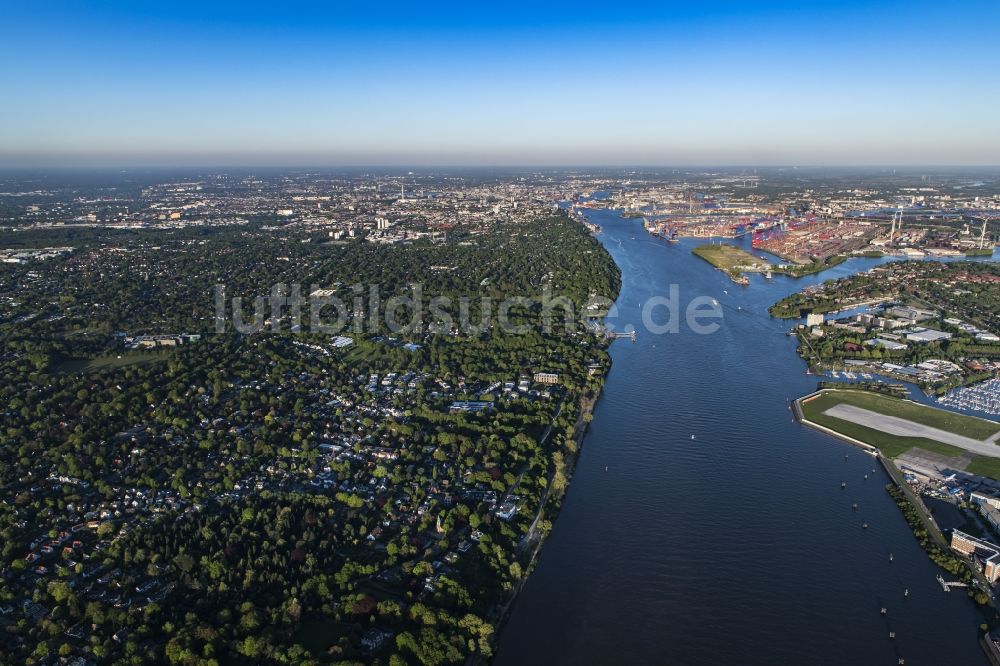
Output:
x=736 y=545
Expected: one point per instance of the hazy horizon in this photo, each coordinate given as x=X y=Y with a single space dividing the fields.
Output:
x=513 y=166
x=212 y=162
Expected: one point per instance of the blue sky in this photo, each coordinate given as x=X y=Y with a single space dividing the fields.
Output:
x=777 y=82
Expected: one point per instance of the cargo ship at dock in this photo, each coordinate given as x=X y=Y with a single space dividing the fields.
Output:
x=660 y=229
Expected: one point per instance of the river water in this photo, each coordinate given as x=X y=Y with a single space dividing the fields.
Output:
x=738 y=545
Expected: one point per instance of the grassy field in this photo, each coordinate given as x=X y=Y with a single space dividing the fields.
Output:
x=727 y=257
x=985 y=466
x=893 y=445
x=71 y=365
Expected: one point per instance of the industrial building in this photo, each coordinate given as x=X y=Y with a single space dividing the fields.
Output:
x=985 y=554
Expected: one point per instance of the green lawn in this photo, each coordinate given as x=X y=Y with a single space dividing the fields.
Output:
x=892 y=445
x=985 y=466
x=727 y=257
x=71 y=365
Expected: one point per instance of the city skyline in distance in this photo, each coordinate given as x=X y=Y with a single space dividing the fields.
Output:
x=764 y=83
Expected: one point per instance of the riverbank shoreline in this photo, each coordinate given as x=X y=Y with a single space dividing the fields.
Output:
x=586 y=408
x=801 y=418
x=586 y=403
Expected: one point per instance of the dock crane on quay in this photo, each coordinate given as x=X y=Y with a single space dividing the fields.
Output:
x=763 y=234
x=897 y=217
x=982 y=236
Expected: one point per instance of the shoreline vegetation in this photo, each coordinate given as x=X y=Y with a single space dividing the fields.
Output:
x=735 y=262
x=547 y=514
x=557 y=485
x=942 y=557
